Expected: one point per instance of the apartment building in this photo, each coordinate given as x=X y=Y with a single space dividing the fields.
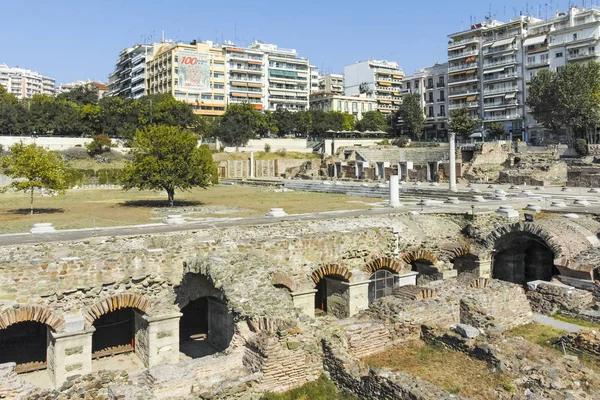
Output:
x=245 y=76
x=355 y=105
x=485 y=72
x=287 y=79
x=193 y=73
x=314 y=79
x=128 y=80
x=381 y=80
x=431 y=84
x=332 y=83
x=570 y=37
x=24 y=83
x=67 y=87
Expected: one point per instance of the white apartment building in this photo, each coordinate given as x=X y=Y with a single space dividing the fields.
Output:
x=332 y=83
x=128 y=80
x=355 y=105
x=551 y=44
x=381 y=80
x=24 y=83
x=314 y=79
x=288 y=78
x=245 y=76
x=431 y=84
x=67 y=87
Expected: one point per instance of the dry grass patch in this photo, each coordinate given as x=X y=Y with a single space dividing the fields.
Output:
x=85 y=208
x=453 y=371
x=545 y=336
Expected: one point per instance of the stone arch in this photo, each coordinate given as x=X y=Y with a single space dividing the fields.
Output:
x=463 y=250
x=282 y=279
x=420 y=254
x=31 y=313
x=383 y=263
x=116 y=302
x=531 y=228
x=330 y=269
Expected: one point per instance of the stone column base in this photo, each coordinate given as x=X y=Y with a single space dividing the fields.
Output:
x=305 y=301
x=69 y=354
x=157 y=338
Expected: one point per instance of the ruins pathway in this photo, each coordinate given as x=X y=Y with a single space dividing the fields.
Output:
x=565 y=326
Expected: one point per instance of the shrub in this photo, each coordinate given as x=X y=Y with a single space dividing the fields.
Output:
x=267 y=148
x=281 y=152
x=402 y=141
x=74 y=153
x=99 y=144
x=321 y=389
x=580 y=146
x=384 y=142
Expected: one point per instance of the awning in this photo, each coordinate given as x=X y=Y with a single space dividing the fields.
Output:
x=510 y=95
x=384 y=83
x=471 y=98
x=385 y=101
x=458 y=98
x=458 y=47
x=534 y=40
x=255 y=85
x=238 y=94
x=255 y=95
x=244 y=84
x=466 y=71
x=503 y=42
x=491 y=71
x=397 y=76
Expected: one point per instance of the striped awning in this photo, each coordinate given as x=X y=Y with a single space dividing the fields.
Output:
x=510 y=95
x=503 y=42
x=238 y=94
x=471 y=98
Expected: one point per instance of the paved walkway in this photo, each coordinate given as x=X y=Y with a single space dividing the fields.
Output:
x=565 y=326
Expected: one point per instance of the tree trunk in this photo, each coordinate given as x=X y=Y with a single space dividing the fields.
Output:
x=171 y=194
x=31 y=202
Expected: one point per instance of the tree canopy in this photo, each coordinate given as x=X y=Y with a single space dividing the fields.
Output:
x=240 y=123
x=372 y=121
x=168 y=158
x=34 y=168
x=461 y=122
x=411 y=114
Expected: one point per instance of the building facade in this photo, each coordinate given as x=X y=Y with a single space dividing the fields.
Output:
x=67 y=87
x=431 y=84
x=355 y=105
x=332 y=83
x=193 y=73
x=287 y=78
x=245 y=76
x=314 y=79
x=381 y=80
x=128 y=80
x=24 y=83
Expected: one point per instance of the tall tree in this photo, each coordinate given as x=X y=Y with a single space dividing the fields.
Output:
x=34 y=168
x=543 y=100
x=411 y=114
x=372 y=121
x=167 y=157
x=81 y=95
x=496 y=130
x=42 y=113
x=348 y=122
x=240 y=123
x=461 y=122
x=285 y=121
x=13 y=117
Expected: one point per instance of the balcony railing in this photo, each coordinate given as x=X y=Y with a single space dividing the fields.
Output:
x=463 y=92
x=512 y=103
x=462 y=66
x=501 y=76
x=582 y=54
x=501 y=49
x=537 y=63
x=465 y=79
x=501 y=90
x=464 y=41
x=463 y=54
x=468 y=104
x=499 y=63
x=441 y=100
x=502 y=117
x=440 y=84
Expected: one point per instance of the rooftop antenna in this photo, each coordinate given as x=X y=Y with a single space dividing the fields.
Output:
x=546 y=4
x=162 y=37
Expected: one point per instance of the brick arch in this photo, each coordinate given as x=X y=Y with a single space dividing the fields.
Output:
x=31 y=313
x=489 y=243
x=383 y=263
x=330 y=269
x=279 y=278
x=421 y=254
x=116 y=302
x=463 y=250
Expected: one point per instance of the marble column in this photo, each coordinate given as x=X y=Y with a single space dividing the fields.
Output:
x=452 y=166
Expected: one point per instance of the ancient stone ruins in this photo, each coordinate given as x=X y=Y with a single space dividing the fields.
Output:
x=233 y=312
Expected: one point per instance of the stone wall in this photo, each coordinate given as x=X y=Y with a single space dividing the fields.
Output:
x=549 y=299
x=587 y=341
x=366 y=337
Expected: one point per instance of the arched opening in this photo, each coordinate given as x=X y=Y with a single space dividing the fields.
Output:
x=521 y=257
x=382 y=284
x=206 y=325
x=24 y=343
x=114 y=334
x=282 y=286
x=331 y=296
x=465 y=263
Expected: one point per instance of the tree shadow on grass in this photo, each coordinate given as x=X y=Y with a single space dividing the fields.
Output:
x=27 y=211
x=160 y=203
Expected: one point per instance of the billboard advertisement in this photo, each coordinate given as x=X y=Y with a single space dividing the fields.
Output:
x=194 y=72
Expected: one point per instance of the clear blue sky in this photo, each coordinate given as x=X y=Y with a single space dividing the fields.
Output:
x=72 y=40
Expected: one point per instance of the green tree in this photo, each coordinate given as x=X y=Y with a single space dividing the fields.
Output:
x=304 y=122
x=372 y=121
x=13 y=117
x=285 y=121
x=240 y=123
x=42 y=113
x=163 y=109
x=167 y=157
x=411 y=114
x=348 y=122
x=496 y=130
x=543 y=100
x=81 y=95
x=461 y=122
x=67 y=120
x=119 y=117
x=99 y=144
x=34 y=168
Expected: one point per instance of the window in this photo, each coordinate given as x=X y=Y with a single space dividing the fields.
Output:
x=442 y=95
x=430 y=82
x=218 y=86
x=206 y=97
x=346 y=108
x=370 y=106
x=442 y=111
x=416 y=84
x=339 y=105
x=592 y=49
x=574 y=36
x=354 y=107
x=219 y=97
x=559 y=54
x=431 y=112
x=381 y=284
x=543 y=58
x=530 y=59
x=362 y=107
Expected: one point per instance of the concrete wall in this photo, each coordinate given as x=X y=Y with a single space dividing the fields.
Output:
x=52 y=142
x=295 y=145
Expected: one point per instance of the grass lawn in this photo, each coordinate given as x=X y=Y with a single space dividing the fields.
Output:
x=576 y=321
x=321 y=389
x=112 y=207
x=453 y=371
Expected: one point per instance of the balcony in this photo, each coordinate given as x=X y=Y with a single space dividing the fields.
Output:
x=501 y=49
x=441 y=100
x=502 y=117
x=429 y=101
x=463 y=67
x=463 y=92
x=500 y=63
x=463 y=54
x=506 y=89
x=581 y=55
x=463 y=80
x=441 y=115
x=440 y=85
x=468 y=104
x=537 y=63
x=462 y=42
x=504 y=104
x=501 y=77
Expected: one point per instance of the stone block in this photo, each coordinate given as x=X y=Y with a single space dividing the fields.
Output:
x=452 y=200
x=276 y=213
x=74 y=323
x=175 y=219
x=558 y=204
x=507 y=212
x=533 y=208
x=467 y=331
x=581 y=202
x=478 y=199
x=43 y=227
